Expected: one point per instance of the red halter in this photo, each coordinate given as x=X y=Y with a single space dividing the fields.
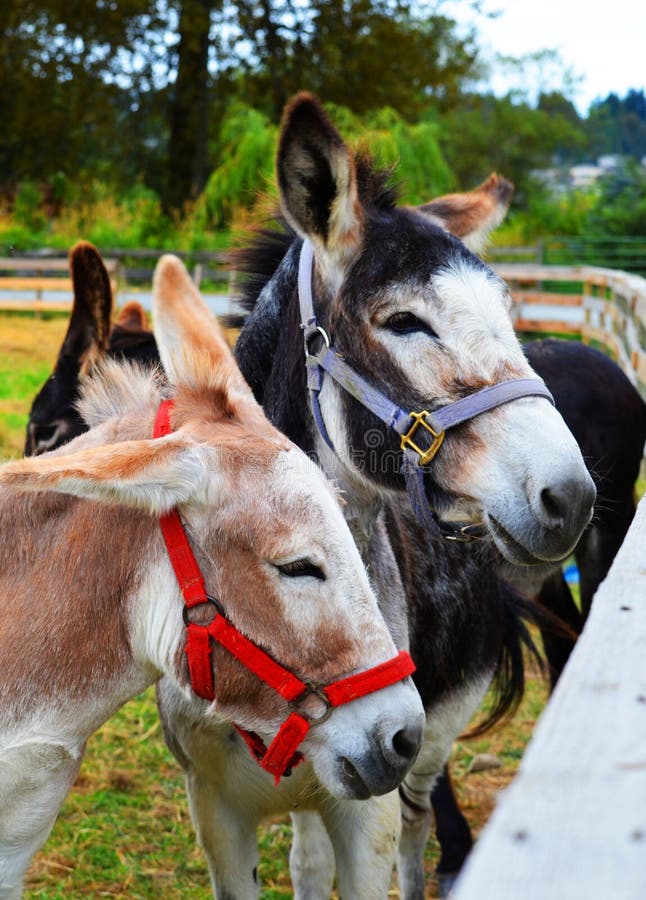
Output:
x=282 y=753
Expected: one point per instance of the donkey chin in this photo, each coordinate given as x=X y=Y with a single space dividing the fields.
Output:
x=541 y=530
x=361 y=751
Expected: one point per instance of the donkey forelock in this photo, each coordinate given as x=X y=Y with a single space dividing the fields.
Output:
x=117 y=388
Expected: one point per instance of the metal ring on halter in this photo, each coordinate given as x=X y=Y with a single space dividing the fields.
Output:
x=473 y=531
x=219 y=611
x=312 y=690
x=311 y=335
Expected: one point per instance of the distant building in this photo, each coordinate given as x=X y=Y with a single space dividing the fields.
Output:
x=585 y=176
x=609 y=162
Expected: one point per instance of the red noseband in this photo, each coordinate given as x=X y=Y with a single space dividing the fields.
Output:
x=282 y=753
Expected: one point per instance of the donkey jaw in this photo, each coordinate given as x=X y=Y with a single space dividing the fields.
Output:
x=524 y=540
x=512 y=550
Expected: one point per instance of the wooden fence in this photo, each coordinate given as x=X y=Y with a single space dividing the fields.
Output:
x=601 y=306
x=43 y=280
x=39 y=276
x=626 y=253
x=573 y=822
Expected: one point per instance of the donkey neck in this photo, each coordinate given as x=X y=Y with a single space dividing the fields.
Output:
x=271 y=356
x=77 y=598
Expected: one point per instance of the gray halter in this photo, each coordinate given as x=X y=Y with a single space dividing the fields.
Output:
x=421 y=433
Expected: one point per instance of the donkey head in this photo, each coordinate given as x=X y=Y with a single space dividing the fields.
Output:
x=418 y=315
x=269 y=535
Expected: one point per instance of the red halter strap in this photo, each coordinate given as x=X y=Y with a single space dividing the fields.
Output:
x=282 y=754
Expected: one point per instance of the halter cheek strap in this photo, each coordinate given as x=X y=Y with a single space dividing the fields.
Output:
x=282 y=754
x=421 y=433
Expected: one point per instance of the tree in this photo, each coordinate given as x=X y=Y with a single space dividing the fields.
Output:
x=138 y=90
x=72 y=77
x=617 y=125
x=488 y=132
x=621 y=206
x=187 y=148
x=363 y=54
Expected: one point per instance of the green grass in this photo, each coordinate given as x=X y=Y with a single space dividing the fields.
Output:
x=28 y=350
x=125 y=832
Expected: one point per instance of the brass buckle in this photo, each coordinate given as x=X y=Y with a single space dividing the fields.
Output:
x=438 y=436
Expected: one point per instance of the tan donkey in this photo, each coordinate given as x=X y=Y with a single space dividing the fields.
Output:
x=282 y=630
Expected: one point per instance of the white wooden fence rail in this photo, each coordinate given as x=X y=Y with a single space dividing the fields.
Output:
x=572 y=825
x=609 y=307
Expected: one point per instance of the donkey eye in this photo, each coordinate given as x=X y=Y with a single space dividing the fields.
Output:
x=302 y=568
x=408 y=323
x=44 y=433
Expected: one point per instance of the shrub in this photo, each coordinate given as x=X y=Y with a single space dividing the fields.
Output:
x=247 y=150
x=27 y=210
x=247 y=146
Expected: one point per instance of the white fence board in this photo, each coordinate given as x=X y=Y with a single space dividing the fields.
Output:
x=573 y=822
x=613 y=309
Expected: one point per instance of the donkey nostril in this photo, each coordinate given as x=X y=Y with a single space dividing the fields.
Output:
x=406 y=743
x=553 y=507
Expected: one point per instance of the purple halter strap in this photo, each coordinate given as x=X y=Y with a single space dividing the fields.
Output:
x=421 y=432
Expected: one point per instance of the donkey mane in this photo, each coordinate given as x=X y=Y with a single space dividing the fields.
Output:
x=117 y=387
x=265 y=246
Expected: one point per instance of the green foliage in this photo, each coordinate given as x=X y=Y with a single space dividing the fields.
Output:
x=132 y=90
x=133 y=93
x=618 y=125
x=133 y=219
x=498 y=133
x=246 y=151
x=27 y=210
x=363 y=54
x=75 y=88
x=546 y=215
x=413 y=150
x=97 y=212
x=621 y=207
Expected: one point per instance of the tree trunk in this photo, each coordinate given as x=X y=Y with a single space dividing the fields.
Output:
x=187 y=163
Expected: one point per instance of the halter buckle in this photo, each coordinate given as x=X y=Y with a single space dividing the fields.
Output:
x=315 y=690
x=419 y=418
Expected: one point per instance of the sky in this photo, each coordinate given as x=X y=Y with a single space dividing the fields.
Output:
x=604 y=43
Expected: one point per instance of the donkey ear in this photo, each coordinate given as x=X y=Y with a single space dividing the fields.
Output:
x=88 y=333
x=132 y=316
x=317 y=179
x=192 y=347
x=154 y=475
x=472 y=216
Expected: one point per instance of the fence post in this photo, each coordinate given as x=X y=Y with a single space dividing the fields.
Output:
x=540 y=252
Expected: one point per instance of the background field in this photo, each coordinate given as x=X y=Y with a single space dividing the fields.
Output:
x=125 y=830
